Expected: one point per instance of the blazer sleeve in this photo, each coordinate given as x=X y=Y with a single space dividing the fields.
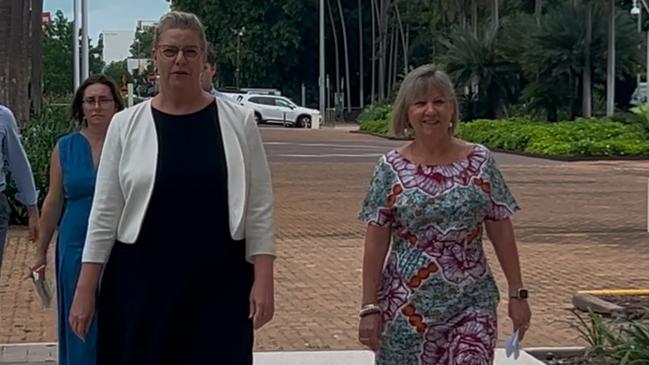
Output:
x=108 y=201
x=259 y=232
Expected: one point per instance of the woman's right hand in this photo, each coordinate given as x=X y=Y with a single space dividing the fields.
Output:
x=82 y=312
x=370 y=329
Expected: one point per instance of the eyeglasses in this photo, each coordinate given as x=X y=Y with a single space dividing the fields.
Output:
x=102 y=102
x=171 y=52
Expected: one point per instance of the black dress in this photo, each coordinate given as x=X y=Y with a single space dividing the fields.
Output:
x=179 y=295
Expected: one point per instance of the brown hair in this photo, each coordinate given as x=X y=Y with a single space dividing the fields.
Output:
x=76 y=110
x=419 y=82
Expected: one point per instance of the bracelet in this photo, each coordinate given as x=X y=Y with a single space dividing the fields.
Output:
x=369 y=309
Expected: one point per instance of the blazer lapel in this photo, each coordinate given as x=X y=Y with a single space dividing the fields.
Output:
x=235 y=165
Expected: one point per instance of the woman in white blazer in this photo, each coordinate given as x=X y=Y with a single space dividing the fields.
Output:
x=181 y=223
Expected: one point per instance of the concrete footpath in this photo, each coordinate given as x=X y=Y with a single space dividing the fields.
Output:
x=45 y=353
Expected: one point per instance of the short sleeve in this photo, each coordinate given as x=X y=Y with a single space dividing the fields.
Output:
x=502 y=203
x=376 y=209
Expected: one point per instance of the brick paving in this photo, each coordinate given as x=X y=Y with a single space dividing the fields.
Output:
x=583 y=226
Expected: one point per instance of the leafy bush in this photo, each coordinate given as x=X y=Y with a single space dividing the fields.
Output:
x=38 y=138
x=375 y=112
x=375 y=126
x=624 y=342
x=582 y=137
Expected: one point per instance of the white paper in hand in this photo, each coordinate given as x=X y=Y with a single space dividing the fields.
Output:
x=43 y=288
x=511 y=346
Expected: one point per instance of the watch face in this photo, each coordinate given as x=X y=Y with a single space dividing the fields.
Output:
x=522 y=293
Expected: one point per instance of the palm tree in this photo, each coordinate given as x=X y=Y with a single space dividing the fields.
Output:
x=14 y=57
x=559 y=53
x=344 y=29
x=469 y=59
x=335 y=35
x=361 y=73
x=586 y=97
x=37 y=55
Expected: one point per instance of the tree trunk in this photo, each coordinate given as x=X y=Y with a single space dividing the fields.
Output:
x=495 y=18
x=348 y=91
x=5 y=22
x=37 y=55
x=18 y=97
x=538 y=10
x=333 y=31
x=474 y=17
x=586 y=99
x=395 y=61
x=361 y=73
x=383 y=40
x=391 y=39
x=373 y=91
x=403 y=41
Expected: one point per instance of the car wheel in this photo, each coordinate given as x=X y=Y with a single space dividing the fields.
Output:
x=258 y=119
x=303 y=121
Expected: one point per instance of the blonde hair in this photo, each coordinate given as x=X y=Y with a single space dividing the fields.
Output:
x=417 y=84
x=180 y=20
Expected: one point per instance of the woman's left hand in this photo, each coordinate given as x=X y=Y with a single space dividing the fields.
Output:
x=521 y=314
x=262 y=302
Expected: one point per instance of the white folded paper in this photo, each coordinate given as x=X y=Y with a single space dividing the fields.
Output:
x=511 y=346
x=43 y=288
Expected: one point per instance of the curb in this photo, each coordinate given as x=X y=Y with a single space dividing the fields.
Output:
x=532 y=155
x=392 y=138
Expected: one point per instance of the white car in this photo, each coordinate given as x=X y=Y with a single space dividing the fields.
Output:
x=279 y=109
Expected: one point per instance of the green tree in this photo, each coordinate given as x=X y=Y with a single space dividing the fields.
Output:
x=278 y=48
x=118 y=71
x=143 y=43
x=57 y=57
x=478 y=61
x=554 y=55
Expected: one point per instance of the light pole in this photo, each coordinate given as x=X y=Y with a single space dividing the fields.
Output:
x=84 y=41
x=75 y=44
x=239 y=33
x=636 y=10
x=610 y=67
x=321 y=79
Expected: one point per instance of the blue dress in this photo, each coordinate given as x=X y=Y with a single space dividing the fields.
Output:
x=79 y=176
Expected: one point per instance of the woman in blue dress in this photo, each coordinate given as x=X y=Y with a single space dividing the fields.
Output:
x=73 y=169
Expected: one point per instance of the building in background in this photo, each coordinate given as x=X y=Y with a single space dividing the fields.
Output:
x=117 y=45
x=143 y=25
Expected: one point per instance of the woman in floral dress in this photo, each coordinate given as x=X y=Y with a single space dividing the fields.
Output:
x=430 y=297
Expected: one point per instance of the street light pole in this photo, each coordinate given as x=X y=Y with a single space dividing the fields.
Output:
x=637 y=10
x=84 y=40
x=610 y=70
x=75 y=44
x=237 y=74
x=321 y=78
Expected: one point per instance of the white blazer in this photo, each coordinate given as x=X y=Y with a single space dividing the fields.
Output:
x=127 y=171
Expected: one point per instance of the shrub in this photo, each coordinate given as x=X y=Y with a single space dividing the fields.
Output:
x=38 y=138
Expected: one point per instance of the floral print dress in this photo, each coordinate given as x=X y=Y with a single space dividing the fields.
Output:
x=438 y=295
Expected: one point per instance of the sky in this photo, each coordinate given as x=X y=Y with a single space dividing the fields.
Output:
x=105 y=15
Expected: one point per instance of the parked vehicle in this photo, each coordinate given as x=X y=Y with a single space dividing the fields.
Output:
x=278 y=110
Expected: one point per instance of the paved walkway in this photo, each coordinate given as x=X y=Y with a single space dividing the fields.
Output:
x=583 y=226
x=42 y=354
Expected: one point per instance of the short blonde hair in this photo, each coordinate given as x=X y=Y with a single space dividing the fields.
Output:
x=419 y=83
x=180 y=20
